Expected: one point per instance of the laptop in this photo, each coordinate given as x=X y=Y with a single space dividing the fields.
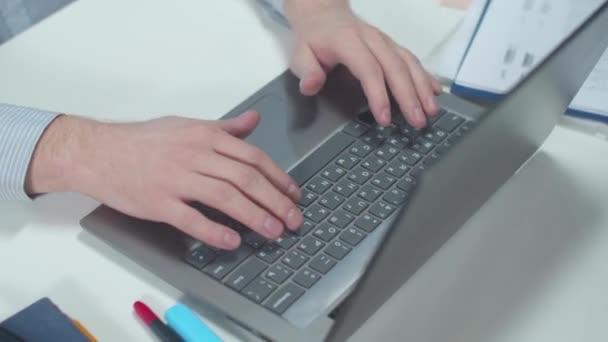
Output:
x=378 y=202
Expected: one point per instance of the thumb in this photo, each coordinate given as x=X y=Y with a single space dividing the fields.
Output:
x=242 y=125
x=306 y=66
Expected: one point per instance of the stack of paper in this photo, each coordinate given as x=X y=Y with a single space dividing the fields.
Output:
x=514 y=36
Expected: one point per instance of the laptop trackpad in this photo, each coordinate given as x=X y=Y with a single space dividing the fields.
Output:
x=289 y=130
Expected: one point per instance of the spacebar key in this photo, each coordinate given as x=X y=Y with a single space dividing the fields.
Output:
x=320 y=157
x=282 y=299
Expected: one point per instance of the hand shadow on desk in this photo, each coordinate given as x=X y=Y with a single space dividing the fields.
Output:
x=489 y=274
x=62 y=209
x=57 y=210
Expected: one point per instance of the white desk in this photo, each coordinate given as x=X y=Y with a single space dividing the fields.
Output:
x=126 y=60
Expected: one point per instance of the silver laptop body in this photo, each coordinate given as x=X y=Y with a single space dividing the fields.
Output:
x=466 y=159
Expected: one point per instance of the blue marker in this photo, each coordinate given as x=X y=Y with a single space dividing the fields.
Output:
x=187 y=324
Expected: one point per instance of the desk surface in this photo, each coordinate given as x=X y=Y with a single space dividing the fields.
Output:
x=140 y=59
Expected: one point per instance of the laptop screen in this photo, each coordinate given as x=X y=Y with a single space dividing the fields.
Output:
x=457 y=186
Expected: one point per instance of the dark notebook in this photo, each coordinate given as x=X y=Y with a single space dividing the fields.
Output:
x=43 y=322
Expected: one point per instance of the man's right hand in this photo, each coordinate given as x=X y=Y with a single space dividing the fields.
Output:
x=152 y=170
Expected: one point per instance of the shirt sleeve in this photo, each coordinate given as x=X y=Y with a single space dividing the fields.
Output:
x=276 y=10
x=20 y=130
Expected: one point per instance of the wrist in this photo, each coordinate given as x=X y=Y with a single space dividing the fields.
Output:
x=62 y=159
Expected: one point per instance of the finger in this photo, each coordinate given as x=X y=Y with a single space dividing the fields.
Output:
x=253 y=184
x=306 y=66
x=355 y=55
x=422 y=80
x=192 y=222
x=398 y=77
x=437 y=88
x=226 y=198
x=253 y=156
x=242 y=125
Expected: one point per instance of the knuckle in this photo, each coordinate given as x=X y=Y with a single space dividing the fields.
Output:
x=248 y=178
x=256 y=156
x=222 y=193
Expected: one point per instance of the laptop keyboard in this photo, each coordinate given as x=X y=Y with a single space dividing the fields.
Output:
x=350 y=185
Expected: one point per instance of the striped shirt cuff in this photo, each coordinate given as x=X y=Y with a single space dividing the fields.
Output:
x=20 y=130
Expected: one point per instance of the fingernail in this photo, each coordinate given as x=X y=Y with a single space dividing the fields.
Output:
x=232 y=240
x=272 y=226
x=294 y=190
x=294 y=219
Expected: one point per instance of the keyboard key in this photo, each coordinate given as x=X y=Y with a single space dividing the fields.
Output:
x=347 y=160
x=367 y=117
x=254 y=239
x=373 y=163
x=387 y=152
x=227 y=261
x=245 y=274
x=407 y=184
x=294 y=259
x=352 y=236
x=325 y=232
x=418 y=171
x=396 y=168
x=355 y=206
x=423 y=146
x=319 y=185
x=258 y=290
x=305 y=228
x=286 y=240
x=269 y=253
x=383 y=181
x=431 y=159
x=278 y=273
x=323 y=155
x=385 y=131
x=306 y=278
x=337 y=249
x=373 y=138
x=341 y=219
x=382 y=210
x=333 y=173
x=433 y=119
x=449 y=122
x=346 y=188
x=355 y=129
x=331 y=201
x=310 y=245
x=435 y=135
x=200 y=256
x=282 y=299
x=410 y=132
x=322 y=263
x=443 y=148
x=361 y=149
x=307 y=198
x=395 y=197
x=369 y=193
x=316 y=213
x=410 y=157
x=367 y=223
x=399 y=141
x=359 y=175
